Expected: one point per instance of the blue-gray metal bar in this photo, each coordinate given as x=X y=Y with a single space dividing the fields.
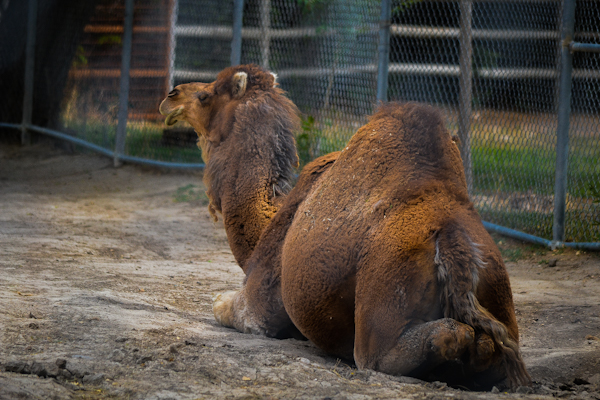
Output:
x=384 y=50
x=585 y=47
x=537 y=240
x=29 y=72
x=106 y=152
x=71 y=139
x=564 y=113
x=124 y=92
x=13 y=126
x=236 y=42
x=162 y=164
x=516 y=234
x=465 y=98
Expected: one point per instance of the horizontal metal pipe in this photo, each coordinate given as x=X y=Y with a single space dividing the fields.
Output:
x=71 y=139
x=512 y=233
x=7 y=125
x=414 y=69
x=516 y=234
x=162 y=164
x=106 y=152
x=585 y=47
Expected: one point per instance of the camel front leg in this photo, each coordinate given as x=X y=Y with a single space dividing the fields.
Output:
x=231 y=310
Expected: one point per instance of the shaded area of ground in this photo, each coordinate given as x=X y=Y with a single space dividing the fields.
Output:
x=106 y=284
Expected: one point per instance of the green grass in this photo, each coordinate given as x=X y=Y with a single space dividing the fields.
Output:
x=142 y=140
x=514 y=167
x=190 y=194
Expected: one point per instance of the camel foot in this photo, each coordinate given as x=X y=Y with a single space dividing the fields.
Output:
x=451 y=342
x=223 y=308
x=481 y=353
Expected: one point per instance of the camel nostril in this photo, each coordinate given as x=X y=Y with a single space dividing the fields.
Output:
x=173 y=93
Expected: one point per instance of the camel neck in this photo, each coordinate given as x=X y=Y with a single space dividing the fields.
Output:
x=241 y=188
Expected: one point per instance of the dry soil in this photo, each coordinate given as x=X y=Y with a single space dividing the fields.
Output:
x=106 y=279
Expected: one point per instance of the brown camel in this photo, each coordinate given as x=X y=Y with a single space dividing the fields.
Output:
x=376 y=255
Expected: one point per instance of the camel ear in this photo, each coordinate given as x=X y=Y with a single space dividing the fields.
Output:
x=239 y=82
x=274 y=79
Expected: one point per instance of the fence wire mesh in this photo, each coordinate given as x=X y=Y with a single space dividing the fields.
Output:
x=325 y=53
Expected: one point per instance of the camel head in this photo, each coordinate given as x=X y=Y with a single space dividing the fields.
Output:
x=200 y=103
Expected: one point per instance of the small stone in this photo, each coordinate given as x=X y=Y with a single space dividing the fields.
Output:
x=552 y=262
x=61 y=363
x=117 y=355
x=438 y=385
x=495 y=390
x=121 y=340
x=64 y=373
x=39 y=370
x=144 y=359
x=94 y=379
x=174 y=348
x=524 y=389
x=595 y=379
x=53 y=371
x=33 y=325
x=20 y=367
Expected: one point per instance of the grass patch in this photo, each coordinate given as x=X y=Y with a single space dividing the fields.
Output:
x=190 y=194
x=142 y=140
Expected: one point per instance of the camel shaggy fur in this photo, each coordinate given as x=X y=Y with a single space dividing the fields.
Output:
x=377 y=255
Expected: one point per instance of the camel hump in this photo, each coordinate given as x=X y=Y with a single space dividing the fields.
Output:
x=459 y=260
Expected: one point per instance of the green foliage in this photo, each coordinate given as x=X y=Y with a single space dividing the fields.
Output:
x=310 y=5
x=308 y=141
x=80 y=59
x=109 y=39
x=595 y=193
x=190 y=194
x=318 y=138
x=404 y=6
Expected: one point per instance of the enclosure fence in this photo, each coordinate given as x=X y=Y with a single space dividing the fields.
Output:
x=517 y=80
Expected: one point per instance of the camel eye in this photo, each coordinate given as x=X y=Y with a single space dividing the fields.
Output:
x=173 y=93
x=203 y=97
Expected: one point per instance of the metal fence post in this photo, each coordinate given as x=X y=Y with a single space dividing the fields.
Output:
x=29 y=73
x=124 y=92
x=236 y=42
x=172 y=42
x=564 y=113
x=265 y=32
x=384 y=50
x=466 y=89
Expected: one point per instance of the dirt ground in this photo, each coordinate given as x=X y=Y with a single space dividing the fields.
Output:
x=106 y=283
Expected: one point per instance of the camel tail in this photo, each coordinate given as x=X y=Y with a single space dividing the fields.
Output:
x=459 y=260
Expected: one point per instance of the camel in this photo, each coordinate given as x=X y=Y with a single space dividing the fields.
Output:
x=376 y=255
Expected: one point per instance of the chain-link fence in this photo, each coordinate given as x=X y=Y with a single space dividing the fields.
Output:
x=492 y=66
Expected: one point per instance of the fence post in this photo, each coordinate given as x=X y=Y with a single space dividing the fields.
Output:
x=172 y=42
x=124 y=92
x=265 y=32
x=466 y=89
x=29 y=73
x=564 y=113
x=236 y=42
x=384 y=50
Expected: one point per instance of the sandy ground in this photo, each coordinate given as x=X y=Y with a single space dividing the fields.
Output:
x=106 y=279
